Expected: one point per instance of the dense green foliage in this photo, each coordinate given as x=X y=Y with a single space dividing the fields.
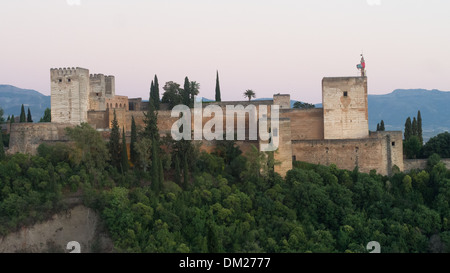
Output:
x=439 y=144
x=303 y=105
x=413 y=142
x=47 y=116
x=23 y=117
x=218 y=209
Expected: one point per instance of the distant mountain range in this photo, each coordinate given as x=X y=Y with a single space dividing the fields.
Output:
x=12 y=98
x=393 y=108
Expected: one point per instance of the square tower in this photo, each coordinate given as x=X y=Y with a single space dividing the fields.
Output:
x=345 y=108
x=69 y=95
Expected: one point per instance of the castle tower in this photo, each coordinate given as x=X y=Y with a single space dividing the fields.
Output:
x=69 y=95
x=101 y=88
x=345 y=108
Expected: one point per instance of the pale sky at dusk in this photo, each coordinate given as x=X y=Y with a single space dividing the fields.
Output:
x=282 y=46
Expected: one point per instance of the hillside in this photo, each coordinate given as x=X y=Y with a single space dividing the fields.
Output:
x=12 y=98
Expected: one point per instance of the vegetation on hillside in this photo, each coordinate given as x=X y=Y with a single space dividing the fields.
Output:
x=228 y=202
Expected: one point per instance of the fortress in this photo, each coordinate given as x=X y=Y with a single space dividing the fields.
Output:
x=337 y=134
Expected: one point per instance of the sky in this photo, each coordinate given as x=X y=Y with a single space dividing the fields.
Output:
x=268 y=46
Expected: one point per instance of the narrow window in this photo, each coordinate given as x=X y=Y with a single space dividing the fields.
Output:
x=345 y=94
x=294 y=158
x=68 y=80
x=393 y=143
x=60 y=80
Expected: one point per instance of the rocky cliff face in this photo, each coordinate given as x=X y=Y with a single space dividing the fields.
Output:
x=79 y=224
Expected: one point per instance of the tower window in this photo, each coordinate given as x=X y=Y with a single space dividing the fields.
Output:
x=68 y=80
x=60 y=80
x=345 y=94
x=393 y=143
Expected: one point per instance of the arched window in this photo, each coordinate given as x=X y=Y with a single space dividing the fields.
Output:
x=120 y=105
x=116 y=105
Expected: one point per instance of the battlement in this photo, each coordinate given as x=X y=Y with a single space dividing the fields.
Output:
x=59 y=72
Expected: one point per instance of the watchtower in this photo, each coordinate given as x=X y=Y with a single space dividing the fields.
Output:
x=69 y=95
x=345 y=108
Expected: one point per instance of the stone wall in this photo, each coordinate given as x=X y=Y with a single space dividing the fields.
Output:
x=421 y=164
x=345 y=108
x=26 y=137
x=306 y=124
x=368 y=154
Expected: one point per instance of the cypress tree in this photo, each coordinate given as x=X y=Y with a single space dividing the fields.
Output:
x=124 y=152
x=114 y=142
x=2 y=150
x=157 y=97
x=9 y=118
x=23 y=117
x=152 y=93
x=414 y=127
x=13 y=119
x=217 y=87
x=378 y=127
x=155 y=168
x=408 y=128
x=29 y=118
x=382 y=126
x=186 y=98
x=133 y=140
x=419 y=127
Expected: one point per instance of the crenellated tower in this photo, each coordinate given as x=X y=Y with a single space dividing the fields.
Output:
x=69 y=95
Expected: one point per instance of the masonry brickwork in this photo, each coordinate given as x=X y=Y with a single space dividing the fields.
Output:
x=337 y=134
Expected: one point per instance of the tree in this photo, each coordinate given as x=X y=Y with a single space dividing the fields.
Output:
x=2 y=119
x=143 y=149
x=249 y=94
x=2 y=150
x=47 y=116
x=378 y=127
x=172 y=94
x=186 y=92
x=13 y=119
x=156 y=99
x=412 y=147
x=419 y=127
x=151 y=123
x=133 y=140
x=29 y=118
x=439 y=144
x=23 y=117
x=194 y=90
x=408 y=128
x=124 y=152
x=218 y=98
x=90 y=148
x=382 y=126
x=303 y=105
x=114 y=142
x=414 y=127
x=156 y=186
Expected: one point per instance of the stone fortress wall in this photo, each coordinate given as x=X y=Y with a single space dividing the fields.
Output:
x=335 y=134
